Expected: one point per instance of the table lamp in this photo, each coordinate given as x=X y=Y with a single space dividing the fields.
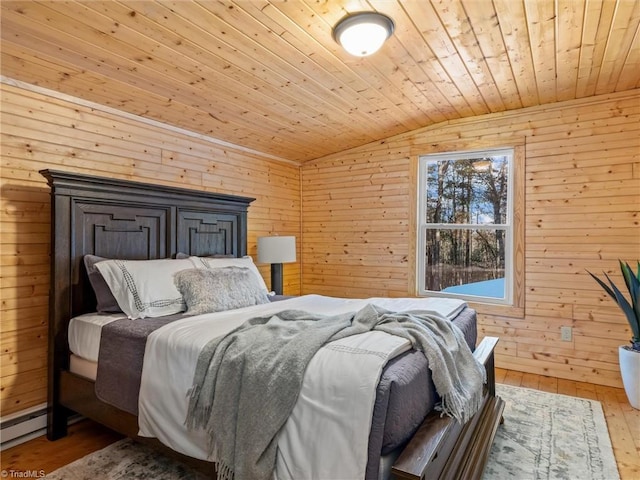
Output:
x=276 y=250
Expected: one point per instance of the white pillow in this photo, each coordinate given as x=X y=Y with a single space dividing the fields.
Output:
x=244 y=262
x=145 y=288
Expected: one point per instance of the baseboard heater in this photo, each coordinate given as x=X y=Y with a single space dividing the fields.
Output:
x=25 y=425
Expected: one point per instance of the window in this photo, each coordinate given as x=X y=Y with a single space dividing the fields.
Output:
x=465 y=234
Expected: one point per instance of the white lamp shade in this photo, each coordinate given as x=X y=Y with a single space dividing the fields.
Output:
x=276 y=249
x=362 y=34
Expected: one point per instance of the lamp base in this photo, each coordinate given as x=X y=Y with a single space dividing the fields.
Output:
x=276 y=278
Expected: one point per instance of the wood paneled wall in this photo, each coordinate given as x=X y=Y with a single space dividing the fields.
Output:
x=581 y=201
x=357 y=211
x=41 y=131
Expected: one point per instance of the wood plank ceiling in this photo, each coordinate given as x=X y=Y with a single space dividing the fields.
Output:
x=266 y=74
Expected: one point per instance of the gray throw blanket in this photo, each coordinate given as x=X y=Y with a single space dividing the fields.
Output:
x=247 y=382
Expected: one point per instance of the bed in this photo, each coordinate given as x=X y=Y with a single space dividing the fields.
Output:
x=129 y=220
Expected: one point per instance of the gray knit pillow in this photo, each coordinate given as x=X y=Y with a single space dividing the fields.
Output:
x=219 y=289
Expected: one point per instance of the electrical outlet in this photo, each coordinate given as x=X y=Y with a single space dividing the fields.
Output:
x=566 y=334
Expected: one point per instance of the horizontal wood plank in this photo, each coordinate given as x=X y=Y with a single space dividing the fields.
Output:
x=96 y=142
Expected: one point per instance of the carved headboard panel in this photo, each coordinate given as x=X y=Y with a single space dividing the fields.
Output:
x=128 y=220
x=131 y=220
x=206 y=233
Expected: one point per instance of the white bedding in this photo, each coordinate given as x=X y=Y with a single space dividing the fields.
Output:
x=171 y=355
x=328 y=430
x=85 y=331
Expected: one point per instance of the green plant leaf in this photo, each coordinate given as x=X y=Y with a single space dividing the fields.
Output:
x=636 y=305
x=631 y=310
x=633 y=285
x=624 y=304
x=603 y=285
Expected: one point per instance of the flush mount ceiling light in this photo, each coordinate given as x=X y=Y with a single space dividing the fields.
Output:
x=363 y=33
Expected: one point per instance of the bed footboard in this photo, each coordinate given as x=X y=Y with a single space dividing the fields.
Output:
x=442 y=448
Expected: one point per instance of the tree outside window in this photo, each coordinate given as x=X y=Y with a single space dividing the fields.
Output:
x=465 y=233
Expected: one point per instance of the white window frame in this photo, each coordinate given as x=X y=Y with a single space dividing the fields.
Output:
x=508 y=227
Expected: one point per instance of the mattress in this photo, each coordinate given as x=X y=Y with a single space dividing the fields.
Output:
x=82 y=367
x=404 y=397
x=85 y=332
x=176 y=347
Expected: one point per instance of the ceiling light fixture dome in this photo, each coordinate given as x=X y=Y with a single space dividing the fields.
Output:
x=362 y=34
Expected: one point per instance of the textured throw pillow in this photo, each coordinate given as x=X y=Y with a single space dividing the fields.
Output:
x=145 y=288
x=244 y=262
x=105 y=301
x=219 y=289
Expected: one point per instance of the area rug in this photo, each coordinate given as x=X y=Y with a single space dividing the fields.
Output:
x=126 y=460
x=550 y=436
x=544 y=436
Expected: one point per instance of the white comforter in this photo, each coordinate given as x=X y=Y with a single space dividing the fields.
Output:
x=328 y=431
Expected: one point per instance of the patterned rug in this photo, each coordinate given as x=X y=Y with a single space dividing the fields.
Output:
x=544 y=436
x=548 y=436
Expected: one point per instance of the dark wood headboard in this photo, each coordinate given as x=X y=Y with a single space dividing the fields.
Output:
x=136 y=221
x=126 y=220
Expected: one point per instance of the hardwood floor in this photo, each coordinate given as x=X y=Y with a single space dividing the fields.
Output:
x=622 y=420
x=40 y=454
